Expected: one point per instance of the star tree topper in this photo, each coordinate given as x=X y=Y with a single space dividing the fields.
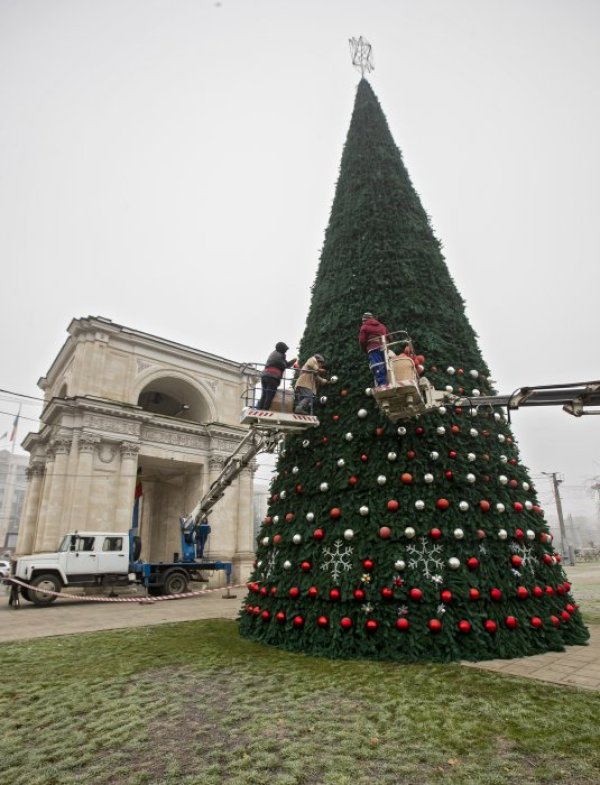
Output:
x=362 y=54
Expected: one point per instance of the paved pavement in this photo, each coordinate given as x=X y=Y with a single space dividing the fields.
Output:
x=578 y=666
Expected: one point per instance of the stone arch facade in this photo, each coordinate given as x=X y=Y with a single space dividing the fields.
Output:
x=122 y=406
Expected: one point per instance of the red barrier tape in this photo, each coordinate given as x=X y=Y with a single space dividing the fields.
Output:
x=139 y=600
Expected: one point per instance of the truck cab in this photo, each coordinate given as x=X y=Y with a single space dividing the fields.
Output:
x=82 y=559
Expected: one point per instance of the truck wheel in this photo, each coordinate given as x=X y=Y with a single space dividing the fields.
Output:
x=175 y=583
x=47 y=582
x=25 y=594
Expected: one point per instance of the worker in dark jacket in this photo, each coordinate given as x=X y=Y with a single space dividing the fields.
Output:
x=369 y=338
x=273 y=373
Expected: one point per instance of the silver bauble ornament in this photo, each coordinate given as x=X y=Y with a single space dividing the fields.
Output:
x=401 y=431
x=502 y=534
x=348 y=436
x=471 y=478
x=428 y=477
x=324 y=486
x=399 y=565
x=434 y=455
x=306 y=443
x=369 y=391
x=459 y=534
x=381 y=479
x=453 y=563
x=364 y=510
x=450 y=370
x=323 y=400
x=295 y=470
x=409 y=532
x=473 y=374
x=500 y=507
x=349 y=534
x=471 y=457
x=265 y=541
x=282 y=495
x=287 y=564
x=333 y=379
x=440 y=430
x=276 y=519
x=503 y=459
x=310 y=516
x=476 y=393
x=525 y=486
x=501 y=438
x=341 y=462
x=391 y=456
x=361 y=414
x=530 y=534
x=449 y=388
x=463 y=506
x=297 y=539
x=502 y=479
x=420 y=504
x=442 y=410
x=474 y=432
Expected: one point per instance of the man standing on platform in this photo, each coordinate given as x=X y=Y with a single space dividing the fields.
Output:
x=369 y=338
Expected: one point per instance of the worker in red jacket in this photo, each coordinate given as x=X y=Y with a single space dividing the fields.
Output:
x=369 y=338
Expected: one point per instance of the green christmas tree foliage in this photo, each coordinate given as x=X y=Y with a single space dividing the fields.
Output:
x=420 y=540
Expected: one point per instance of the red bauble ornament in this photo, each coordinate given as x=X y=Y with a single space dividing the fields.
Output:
x=343 y=393
x=318 y=534
x=490 y=626
x=268 y=519
x=464 y=625
x=387 y=593
x=334 y=594
x=484 y=505
x=452 y=454
x=359 y=595
x=496 y=594
x=536 y=508
x=273 y=591
x=415 y=594
x=289 y=517
x=472 y=563
x=442 y=504
x=371 y=625
x=516 y=560
x=323 y=621
x=368 y=564
x=335 y=513
x=567 y=586
x=411 y=454
x=446 y=596
x=379 y=431
x=277 y=539
x=547 y=559
x=458 y=409
x=538 y=591
x=455 y=428
x=280 y=617
x=402 y=624
x=345 y=622
x=265 y=615
x=264 y=591
x=324 y=440
x=570 y=608
x=364 y=457
x=393 y=505
x=449 y=475
x=555 y=620
x=481 y=534
x=385 y=532
x=435 y=534
x=519 y=534
x=312 y=592
x=435 y=625
x=335 y=417
x=298 y=488
x=474 y=594
x=406 y=478
x=565 y=616
x=513 y=461
x=298 y=622
x=294 y=592
x=522 y=592
x=352 y=480
x=419 y=430
x=511 y=622
x=536 y=622
x=549 y=591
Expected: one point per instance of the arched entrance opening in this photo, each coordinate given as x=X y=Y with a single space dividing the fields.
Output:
x=172 y=397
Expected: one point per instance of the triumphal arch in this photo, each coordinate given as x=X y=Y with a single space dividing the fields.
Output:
x=125 y=410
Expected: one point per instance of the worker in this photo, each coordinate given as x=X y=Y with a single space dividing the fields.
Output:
x=273 y=373
x=311 y=377
x=369 y=338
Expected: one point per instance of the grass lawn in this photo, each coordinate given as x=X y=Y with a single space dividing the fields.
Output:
x=193 y=703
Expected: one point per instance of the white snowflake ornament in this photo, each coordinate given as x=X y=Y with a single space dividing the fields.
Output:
x=336 y=560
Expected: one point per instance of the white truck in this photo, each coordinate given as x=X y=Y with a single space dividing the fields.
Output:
x=108 y=559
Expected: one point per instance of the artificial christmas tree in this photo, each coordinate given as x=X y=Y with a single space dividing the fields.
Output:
x=416 y=540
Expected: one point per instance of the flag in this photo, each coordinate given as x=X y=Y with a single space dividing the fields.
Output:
x=13 y=433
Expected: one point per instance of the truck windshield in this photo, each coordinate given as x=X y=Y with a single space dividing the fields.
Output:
x=65 y=542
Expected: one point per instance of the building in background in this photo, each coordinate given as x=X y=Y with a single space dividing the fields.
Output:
x=124 y=407
x=13 y=484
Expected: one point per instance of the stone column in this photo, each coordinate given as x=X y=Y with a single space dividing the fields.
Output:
x=244 y=553
x=54 y=520
x=126 y=486
x=31 y=509
x=83 y=482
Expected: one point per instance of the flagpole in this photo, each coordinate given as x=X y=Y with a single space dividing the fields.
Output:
x=13 y=436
